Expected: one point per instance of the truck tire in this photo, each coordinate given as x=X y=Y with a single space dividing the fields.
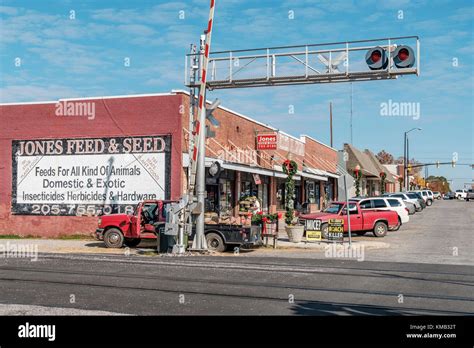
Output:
x=380 y=229
x=324 y=231
x=361 y=233
x=429 y=202
x=113 y=238
x=215 y=242
x=132 y=242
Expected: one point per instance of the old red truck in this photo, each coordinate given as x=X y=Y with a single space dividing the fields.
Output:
x=362 y=221
x=149 y=216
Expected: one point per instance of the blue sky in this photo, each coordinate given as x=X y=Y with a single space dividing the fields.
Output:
x=63 y=58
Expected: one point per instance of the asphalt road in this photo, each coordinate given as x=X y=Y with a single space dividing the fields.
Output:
x=256 y=285
x=440 y=234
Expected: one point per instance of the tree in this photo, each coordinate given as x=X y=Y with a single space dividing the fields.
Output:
x=384 y=157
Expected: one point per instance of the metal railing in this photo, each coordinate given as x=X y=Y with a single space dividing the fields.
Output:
x=316 y=63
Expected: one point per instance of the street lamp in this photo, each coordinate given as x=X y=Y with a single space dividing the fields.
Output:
x=405 y=157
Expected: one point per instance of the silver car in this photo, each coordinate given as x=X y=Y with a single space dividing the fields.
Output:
x=406 y=198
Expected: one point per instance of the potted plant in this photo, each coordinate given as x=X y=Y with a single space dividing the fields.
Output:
x=293 y=229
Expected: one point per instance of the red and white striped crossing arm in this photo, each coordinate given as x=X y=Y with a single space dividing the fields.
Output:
x=199 y=125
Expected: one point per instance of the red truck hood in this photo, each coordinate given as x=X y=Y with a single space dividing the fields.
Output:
x=114 y=219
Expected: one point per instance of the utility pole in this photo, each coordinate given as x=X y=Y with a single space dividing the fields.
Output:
x=407 y=183
x=351 y=114
x=330 y=120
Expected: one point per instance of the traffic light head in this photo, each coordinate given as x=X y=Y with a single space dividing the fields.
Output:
x=376 y=58
x=403 y=57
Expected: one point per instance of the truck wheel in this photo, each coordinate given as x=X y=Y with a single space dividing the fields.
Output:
x=215 y=242
x=380 y=229
x=361 y=233
x=113 y=238
x=429 y=202
x=324 y=231
x=132 y=242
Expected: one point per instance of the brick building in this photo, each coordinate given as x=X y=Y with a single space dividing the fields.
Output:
x=62 y=166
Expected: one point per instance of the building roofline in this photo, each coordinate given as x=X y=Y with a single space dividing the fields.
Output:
x=231 y=111
x=92 y=98
x=308 y=136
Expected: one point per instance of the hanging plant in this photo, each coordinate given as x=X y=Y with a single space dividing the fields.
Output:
x=290 y=168
x=357 y=176
x=383 y=176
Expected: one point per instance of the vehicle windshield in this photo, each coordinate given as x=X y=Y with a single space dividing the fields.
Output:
x=334 y=208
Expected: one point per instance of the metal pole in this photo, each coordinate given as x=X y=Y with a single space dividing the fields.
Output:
x=408 y=165
x=330 y=120
x=404 y=158
x=351 y=114
x=199 y=155
x=348 y=214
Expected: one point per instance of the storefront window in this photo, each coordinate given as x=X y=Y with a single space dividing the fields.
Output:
x=212 y=198
x=280 y=195
x=225 y=197
x=310 y=192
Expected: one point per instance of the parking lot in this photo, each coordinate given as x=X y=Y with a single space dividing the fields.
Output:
x=440 y=234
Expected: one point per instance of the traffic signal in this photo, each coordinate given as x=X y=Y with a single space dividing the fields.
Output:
x=453 y=163
x=376 y=58
x=403 y=57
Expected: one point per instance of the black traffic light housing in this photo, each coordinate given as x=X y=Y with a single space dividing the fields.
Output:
x=403 y=57
x=376 y=58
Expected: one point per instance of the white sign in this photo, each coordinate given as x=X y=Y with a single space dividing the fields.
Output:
x=106 y=174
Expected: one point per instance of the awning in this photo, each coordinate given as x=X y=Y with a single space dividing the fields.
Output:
x=309 y=173
x=253 y=170
x=241 y=167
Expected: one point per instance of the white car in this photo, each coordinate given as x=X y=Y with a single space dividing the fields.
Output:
x=424 y=194
x=409 y=198
x=460 y=194
x=430 y=194
x=386 y=203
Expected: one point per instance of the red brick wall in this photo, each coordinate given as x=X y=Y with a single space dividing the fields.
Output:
x=320 y=156
x=154 y=115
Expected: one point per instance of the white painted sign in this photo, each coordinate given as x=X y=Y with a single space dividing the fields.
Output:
x=60 y=177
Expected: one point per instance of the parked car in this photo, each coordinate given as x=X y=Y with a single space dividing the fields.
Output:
x=413 y=199
x=362 y=220
x=449 y=195
x=386 y=203
x=424 y=194
x=437 y=195
x=469 y=195
x=418 y=196
x=430 y=194
x=460 y=194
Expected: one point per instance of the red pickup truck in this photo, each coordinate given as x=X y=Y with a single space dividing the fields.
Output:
x=149 y=218
x=362 y=221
